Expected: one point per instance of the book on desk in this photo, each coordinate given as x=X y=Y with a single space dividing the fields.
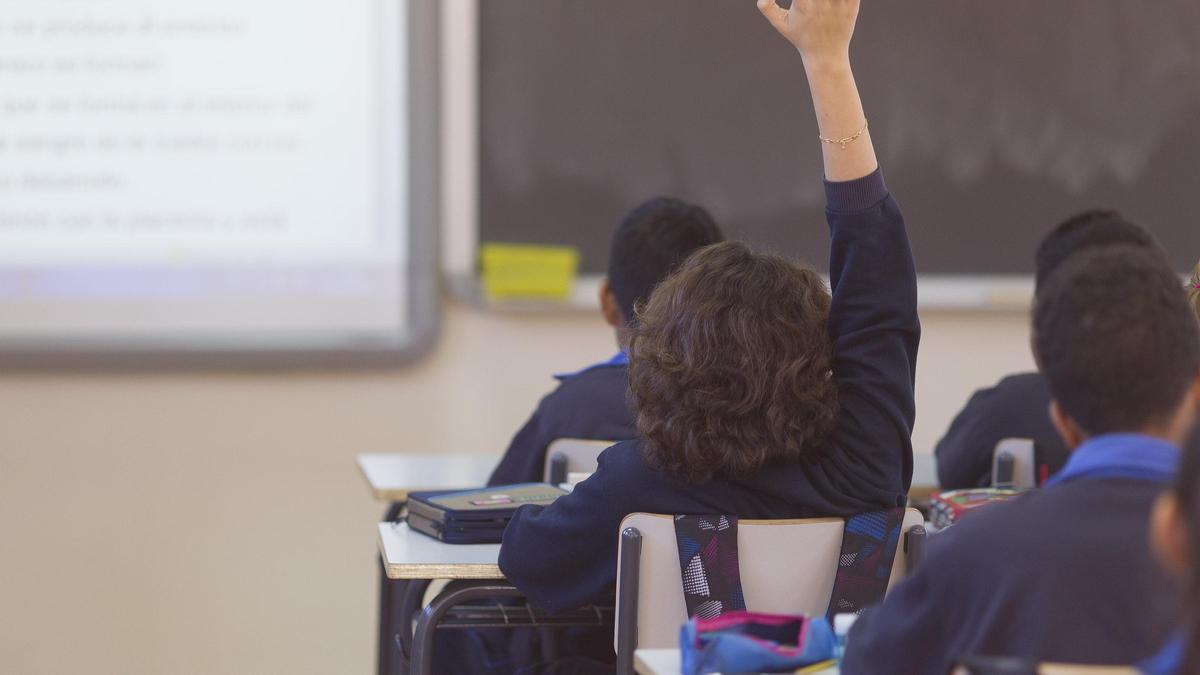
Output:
x=474 y=516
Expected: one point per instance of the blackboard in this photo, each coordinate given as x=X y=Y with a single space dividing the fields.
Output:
x=993 y=121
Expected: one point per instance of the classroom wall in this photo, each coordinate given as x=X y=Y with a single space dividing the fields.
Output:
x=216 y=522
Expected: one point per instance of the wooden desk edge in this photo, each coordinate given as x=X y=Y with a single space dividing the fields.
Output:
x=380 y=494
x=390 y=495
x=476 y=571
x=441 y=571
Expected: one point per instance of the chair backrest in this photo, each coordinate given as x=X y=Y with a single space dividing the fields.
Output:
x=572 y=455
x=787 y=567
x=1014 y=464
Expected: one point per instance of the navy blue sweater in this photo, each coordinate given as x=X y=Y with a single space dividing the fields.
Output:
x=590 y=404
x=1017 y=407
x=1063 y=574
x=565 y=555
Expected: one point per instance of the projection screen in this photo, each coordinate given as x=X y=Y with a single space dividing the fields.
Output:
x=230 y=182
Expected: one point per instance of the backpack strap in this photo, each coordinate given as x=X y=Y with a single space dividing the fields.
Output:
x=869 y=543
x=708 y=564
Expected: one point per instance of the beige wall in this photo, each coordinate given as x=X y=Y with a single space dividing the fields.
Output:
x=216 y=523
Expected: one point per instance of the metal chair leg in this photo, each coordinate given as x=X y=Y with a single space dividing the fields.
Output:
x=627 y=601
x=422 y=653
x=411 y=600
x=558 y=469
x=387 y=589
x=914 y=547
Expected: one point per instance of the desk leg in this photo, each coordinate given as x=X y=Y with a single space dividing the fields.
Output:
x=422 y=654
x=412 y=599
x=389 y=590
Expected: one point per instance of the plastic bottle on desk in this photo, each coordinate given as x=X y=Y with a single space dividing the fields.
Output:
x=842 y=623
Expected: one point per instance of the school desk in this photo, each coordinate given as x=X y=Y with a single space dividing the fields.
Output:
x=668 y=662
x=392 y=476
x=471 y=600
x=408 y=554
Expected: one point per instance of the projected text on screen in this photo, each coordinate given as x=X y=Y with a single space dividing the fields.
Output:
x=230 y=172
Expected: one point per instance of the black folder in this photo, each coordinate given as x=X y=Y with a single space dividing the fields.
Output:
x=474 y=516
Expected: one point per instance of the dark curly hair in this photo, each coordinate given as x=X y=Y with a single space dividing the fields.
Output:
x=731 y=365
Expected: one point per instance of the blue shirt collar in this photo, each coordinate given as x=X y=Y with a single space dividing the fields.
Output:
x=1120 y=456
x=621 y=359
x=1166 y=662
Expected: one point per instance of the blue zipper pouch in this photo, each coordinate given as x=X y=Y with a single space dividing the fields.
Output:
x=749 y=642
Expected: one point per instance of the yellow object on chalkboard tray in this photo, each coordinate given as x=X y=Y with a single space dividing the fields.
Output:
x=528 y=272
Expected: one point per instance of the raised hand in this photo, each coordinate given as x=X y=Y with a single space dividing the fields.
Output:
x=820 y=29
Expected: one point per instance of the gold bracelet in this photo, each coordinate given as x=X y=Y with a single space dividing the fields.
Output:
x=847 y=140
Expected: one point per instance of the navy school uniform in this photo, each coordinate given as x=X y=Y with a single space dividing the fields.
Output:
x=564 y=555
x=591 y=404
x=1017 y=407
x=1062 y=574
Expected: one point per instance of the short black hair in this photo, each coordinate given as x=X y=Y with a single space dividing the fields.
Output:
x=651 y=242
x=1115 y=338
x=1083 y=231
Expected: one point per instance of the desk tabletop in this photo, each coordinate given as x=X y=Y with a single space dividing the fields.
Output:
x=412 y=555
x=392 y=476
x=668 y=662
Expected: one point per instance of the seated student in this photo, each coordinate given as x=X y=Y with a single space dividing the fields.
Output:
x=757 y=394
x=1175 y=537
x=1018 y=405
x=592 y=403
x=1061 y=574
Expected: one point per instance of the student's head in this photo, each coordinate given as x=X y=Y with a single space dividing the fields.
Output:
x=1119 y=346
x=731 y=365
x=1085 y=231
x=648 y=245
x=1175 y=537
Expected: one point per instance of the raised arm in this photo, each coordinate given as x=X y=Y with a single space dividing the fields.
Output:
x=873 y=320
x=821 y=30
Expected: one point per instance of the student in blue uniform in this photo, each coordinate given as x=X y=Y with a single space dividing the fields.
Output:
x=757 y=393
x=1018 y=405
x=1064 y=574
x=592 y=403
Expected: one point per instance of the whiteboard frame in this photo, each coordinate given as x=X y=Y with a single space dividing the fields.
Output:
x=423 y=303
x=460 y=197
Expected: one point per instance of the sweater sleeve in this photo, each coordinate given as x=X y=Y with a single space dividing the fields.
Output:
x=912 y=631
x=1016 y=407
x=964 y=454
x=875 y=332
x=565 y=555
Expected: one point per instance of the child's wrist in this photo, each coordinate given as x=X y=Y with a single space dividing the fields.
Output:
x=831 y=64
